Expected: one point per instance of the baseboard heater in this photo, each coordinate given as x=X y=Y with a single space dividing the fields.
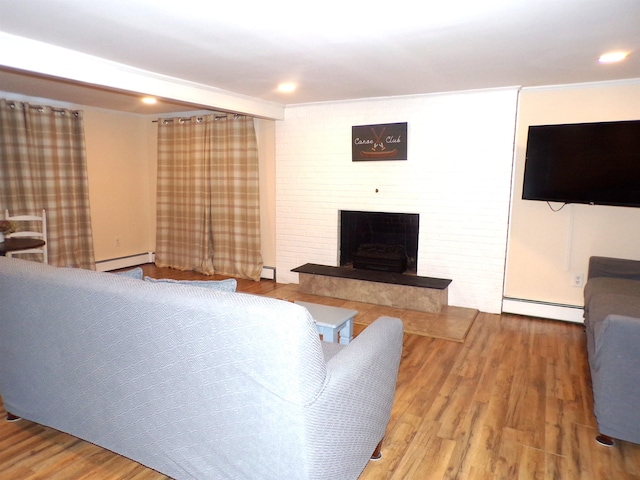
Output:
x=124 y=262
x=533 y=308
x=268 y=273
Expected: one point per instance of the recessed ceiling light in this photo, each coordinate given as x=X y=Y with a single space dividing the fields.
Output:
x=612 y=57
x=149 y=100
x=287 y=87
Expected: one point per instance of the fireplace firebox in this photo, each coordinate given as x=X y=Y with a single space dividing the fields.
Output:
x=379 y=240
x=377 y=256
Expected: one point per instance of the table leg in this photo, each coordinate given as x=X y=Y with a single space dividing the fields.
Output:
x=328 y=334
x=321 y=330
x=346 y=333
x=331 y=335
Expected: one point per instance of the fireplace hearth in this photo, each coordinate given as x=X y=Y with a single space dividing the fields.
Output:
x=412 y=292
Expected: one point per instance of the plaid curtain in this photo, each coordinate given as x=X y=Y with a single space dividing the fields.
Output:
x=43 y=165
x=208 y=210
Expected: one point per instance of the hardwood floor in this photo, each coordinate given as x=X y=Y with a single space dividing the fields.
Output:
x=513 y=401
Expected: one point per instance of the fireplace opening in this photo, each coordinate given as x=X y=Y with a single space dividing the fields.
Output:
x=377 y=256
x=379 y=241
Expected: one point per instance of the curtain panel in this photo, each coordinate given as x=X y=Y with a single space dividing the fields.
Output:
x=208 y=209
x=43 y=165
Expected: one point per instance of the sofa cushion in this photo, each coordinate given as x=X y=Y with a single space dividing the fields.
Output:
x=136 y=273
x=227 y=285
x=600 y=307
x=605 y=304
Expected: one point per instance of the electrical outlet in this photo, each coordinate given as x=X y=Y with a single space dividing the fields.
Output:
x=117 y=242
x=577 y=280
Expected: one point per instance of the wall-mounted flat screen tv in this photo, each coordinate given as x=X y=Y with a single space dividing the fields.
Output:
x=593 y=163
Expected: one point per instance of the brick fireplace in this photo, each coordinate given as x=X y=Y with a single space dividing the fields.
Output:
x=381 y=281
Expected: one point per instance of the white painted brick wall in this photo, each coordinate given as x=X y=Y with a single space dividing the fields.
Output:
x=457 y=177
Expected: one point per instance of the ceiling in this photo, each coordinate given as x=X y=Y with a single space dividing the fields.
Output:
x=333 y=50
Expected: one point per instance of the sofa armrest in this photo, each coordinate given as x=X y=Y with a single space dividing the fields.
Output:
x=354 y=407
x=371 y=360
x=613 y=267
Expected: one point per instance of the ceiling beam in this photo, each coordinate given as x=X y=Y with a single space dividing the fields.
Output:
x=42 y=58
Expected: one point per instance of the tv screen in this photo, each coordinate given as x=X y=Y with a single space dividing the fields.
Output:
x=594 y=163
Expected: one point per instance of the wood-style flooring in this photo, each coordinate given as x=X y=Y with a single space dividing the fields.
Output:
x=512 y=401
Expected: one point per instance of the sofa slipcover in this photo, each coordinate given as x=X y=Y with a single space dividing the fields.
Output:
x=194 y=383
x=612 y=325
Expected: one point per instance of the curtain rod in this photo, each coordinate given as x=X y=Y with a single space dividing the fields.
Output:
x=198 y=119
x=41 y=108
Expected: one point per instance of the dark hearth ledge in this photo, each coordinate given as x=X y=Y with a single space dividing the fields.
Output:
x=374 y=276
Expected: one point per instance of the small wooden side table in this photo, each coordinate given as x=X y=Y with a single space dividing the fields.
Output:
x=332 y=321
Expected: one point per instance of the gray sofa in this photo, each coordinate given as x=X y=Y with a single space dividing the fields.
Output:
x=194 y=383
x=612 y=323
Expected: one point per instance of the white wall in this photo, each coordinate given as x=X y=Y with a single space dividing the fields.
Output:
x=546 y=248
x=266 y=137
x=457 y=177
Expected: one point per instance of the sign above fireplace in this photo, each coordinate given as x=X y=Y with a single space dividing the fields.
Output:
x=379 y=142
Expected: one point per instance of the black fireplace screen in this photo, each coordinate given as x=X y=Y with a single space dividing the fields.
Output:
x=379 y=240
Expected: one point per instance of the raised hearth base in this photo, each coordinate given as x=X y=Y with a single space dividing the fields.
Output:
x=423 y=294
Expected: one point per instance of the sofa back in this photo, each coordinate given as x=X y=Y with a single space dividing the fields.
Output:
x=613 y=268
x=191 y=382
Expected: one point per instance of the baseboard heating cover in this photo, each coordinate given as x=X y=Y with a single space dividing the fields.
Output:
x=553 y=311
x=124 y=262
x=268 y=273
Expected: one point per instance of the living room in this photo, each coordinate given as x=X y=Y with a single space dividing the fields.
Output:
x=463 y=172
x=463 y=176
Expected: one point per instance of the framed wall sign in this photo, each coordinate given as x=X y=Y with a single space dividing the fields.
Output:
x=379 y=142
